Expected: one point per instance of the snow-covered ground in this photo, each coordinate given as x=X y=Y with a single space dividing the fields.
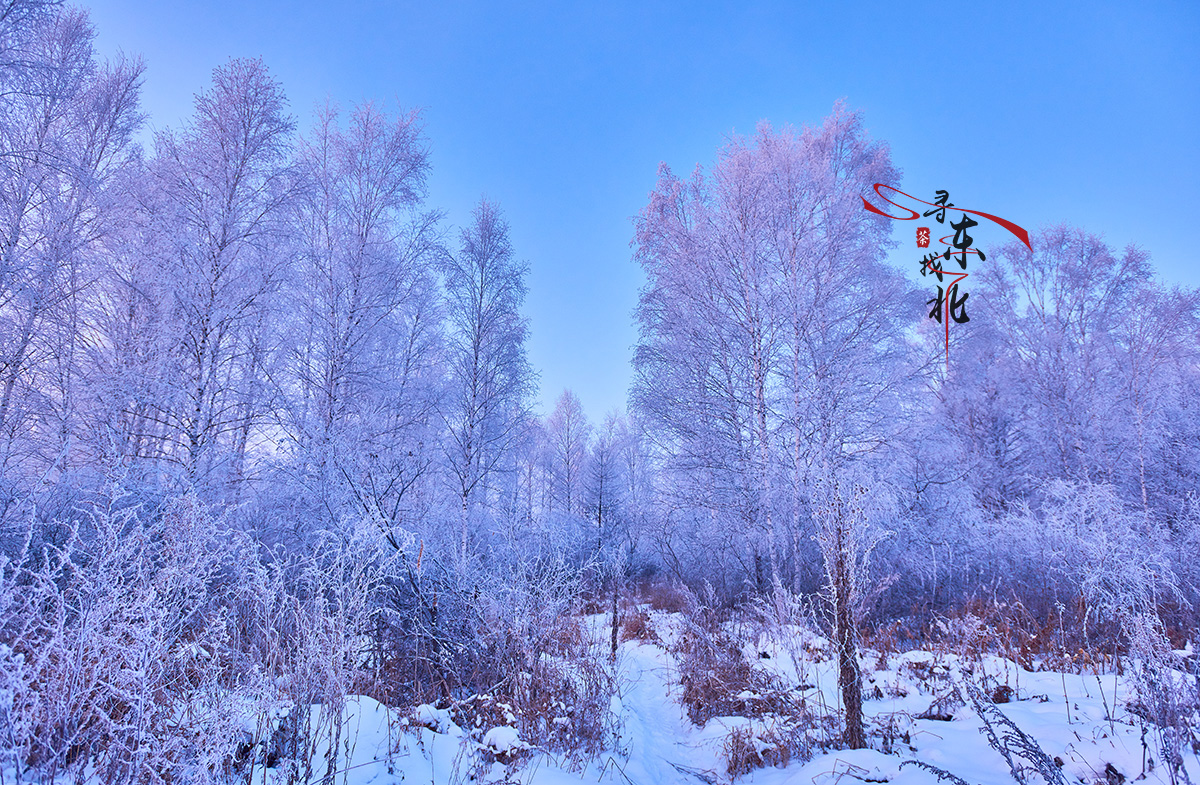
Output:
x=1082 y=721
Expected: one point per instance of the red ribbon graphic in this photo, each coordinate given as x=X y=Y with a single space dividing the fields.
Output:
x=1017 y=231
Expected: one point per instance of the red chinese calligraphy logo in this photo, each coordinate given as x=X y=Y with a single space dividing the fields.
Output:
x=948 y=305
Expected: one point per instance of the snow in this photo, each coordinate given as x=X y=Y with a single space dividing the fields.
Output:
x=1068 y=715
x=1082 y=720
x=503 y=740
x=437 y=720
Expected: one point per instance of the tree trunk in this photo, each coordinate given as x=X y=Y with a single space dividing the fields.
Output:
x=615 y=619
x=849 y=676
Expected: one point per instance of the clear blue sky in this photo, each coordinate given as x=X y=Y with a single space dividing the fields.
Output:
x=1040 y=112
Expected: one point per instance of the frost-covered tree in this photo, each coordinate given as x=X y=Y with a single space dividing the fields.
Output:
x=772 y=336
x=846 y=539
x=1077 y=371
x=66 y=127
x=1059 y=309
x=486 y=405
x=362 y=352
x=220 y=188
x=568 y=435
x=605 y=485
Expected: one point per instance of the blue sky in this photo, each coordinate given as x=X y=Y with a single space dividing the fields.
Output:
x=1041 y=112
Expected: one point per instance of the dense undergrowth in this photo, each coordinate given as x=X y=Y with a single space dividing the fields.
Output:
x=174 y=654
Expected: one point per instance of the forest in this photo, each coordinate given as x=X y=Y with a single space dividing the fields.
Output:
x=270 y=459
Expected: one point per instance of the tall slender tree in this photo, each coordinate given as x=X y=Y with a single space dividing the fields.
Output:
x=486 y=407
x=65 y=137
x=568 y=437
x=363 y=356
x=220 y=189
x=771 y=333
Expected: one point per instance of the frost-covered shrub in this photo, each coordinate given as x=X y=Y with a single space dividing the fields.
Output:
x=713 y=670
x=154 y=645
x=553 y=667
x=121 y=637
x=776 y=740
x=501 y=631
x=720 y=680
x=635 y=625
x=1087 y=539
x=1164 y=696
x=14 y=686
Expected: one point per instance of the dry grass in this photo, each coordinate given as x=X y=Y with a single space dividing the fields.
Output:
x=719 y=680
x=1064 y=638
x=668 y=596
x=635 y=626
x=741 y=753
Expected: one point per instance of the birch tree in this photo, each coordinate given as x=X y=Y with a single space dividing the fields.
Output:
x=771 y=333
x=363 y=357
x=221 y=185
x=66 y=125
x=486 y=407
